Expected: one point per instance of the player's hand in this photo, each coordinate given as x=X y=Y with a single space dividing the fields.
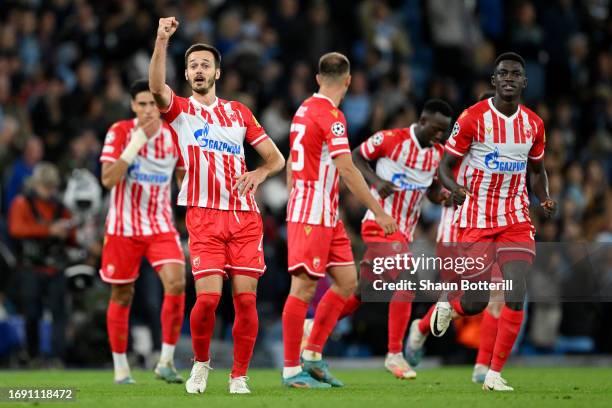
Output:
x=446 y=198
x=385 y=188
x=249 y=181
x=387 y=223
x=59 y=229
x=550 y=207
x=167 y=26
x=151 y=127
x=458 y=195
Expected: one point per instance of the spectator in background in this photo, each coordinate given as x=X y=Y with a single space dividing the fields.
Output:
x=41 y=225
x=33 y=152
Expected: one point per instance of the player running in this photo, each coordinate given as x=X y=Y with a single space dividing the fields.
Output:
x=406 y=164
x=223 y=220
x=498 y=138
x=138 y=159
x=317 y=240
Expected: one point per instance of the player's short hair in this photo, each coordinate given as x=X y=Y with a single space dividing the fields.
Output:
x=138 y=86
x=204 y=47
x=510 y=56
x=438 y=106
x=334 y=65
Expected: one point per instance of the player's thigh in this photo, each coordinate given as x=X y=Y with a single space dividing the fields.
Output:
x=303 y=285
x=308 y=248
x=244 y=284
x=207 y=246
x=210 y=283
x=244 y=249
x=344 y=279
x=121 y=258
x=172 y=276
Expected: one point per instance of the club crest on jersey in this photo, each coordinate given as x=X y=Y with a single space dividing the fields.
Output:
x=230 y=112
x=528 y=131
x=492 y=162
x=337 y=128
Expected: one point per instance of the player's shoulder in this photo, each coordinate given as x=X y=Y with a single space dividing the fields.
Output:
x=394 y=135
x=322 y=106
x=531 y=114
x=477 y=109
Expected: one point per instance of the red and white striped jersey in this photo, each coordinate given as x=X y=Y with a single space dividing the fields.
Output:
x=448 y=228
x=318 y=134
x=402 y=160
x=210 y=140
x=496 y=150
x=140 y=202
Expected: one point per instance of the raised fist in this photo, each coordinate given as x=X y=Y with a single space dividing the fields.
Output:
x=167 y=27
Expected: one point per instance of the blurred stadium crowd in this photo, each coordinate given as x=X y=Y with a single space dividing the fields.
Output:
x=65 y=66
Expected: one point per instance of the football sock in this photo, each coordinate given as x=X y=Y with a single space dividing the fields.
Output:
x=488 y=332
x=294 y=314
x=244 y=332
x=352 y=304
x=425 y=321
x=399 y=315
x=172 y=313
x=117 y=320
x=326 y=317
x=202 y=324
x=508 y=327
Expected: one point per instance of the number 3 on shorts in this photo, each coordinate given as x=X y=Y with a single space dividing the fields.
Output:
x=298 y=163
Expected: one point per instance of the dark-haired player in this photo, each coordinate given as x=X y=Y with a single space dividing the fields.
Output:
x=406 y=163
x=497 y=138
x=138 y=159
x=317 y=241
x=223 y=221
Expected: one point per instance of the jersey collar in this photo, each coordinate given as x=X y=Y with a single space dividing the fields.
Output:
x=201 y=105
x=498 y=113
x=318 y=95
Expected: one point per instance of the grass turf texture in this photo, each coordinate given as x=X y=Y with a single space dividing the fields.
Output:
x=451 y=387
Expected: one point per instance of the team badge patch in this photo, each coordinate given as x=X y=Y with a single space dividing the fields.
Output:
x=377 y=139
x=337 y=129
x=316 y=262
x=456 y=130
x=196 y=261
x=110 y=138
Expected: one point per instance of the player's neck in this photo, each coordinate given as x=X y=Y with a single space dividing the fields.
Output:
x=334 y=94
x=419 y=136
x=508 y=108
x=206 y=99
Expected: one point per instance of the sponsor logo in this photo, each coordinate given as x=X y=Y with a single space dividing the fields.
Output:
x=201 y=137
x=492 y=162
x=337 y=128
x=134 y=173
x=401 y=180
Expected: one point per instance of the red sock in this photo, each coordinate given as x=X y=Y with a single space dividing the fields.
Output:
x=456 y=304
x=424 y=327
x=326 y=317
x=117 y=324
x=399 y=315
x=508 y=327
x=350 y=306
x=172 y=314
x=202 y=324
x=488 y=332
x=294 y=314
x=244 y=332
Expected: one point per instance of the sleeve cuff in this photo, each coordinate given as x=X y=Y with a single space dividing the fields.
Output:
x=453 y=151
x=259 y=139
x=536 y=158
x=107 y=159
x=339 y=152
x=364 y=152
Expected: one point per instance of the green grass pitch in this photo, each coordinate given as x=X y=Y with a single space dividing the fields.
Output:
x=450 y=387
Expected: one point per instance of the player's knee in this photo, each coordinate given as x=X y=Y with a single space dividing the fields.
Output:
x=208 y=302
x=122 y=294
x=494 y=308
x=245 y=301
x=175 y=285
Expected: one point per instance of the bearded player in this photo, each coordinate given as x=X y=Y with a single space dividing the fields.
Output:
x=317 y=241
x=498 y=138
x=223 y=220
x=138 y=160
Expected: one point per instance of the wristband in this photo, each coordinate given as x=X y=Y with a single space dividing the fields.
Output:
x=139 y=138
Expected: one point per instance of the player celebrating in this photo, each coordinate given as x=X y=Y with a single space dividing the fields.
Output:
x=138 y=159
x=317 y=241
x=498 y=138
x=223 y=221
x=406 y=163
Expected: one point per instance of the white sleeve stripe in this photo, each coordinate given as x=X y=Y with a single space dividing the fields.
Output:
x=364 y=152
x=108 y=159
x=537 y=157
x=259 y=139
x=453 y=151
x=338 y=152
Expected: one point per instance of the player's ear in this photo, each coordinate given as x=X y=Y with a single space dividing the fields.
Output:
x=133 y=105
x=186 y=77
x=217 y=73
x=493 y=80
x=525 y=83
x=348 y=81
x=318 y=78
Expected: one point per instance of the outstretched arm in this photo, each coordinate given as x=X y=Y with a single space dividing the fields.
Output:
x=157 y=69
